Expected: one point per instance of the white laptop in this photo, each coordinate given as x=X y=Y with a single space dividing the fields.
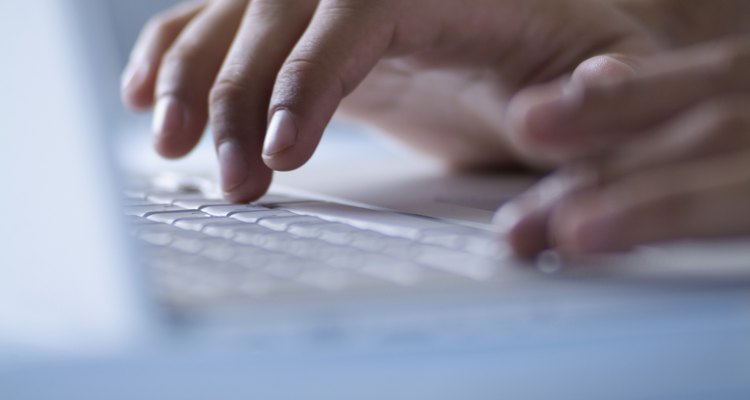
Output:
x=150 y=286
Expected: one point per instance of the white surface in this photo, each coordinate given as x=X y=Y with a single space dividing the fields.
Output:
x=61 y=287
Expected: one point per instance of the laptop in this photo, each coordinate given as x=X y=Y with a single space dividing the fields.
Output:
x=148 y=285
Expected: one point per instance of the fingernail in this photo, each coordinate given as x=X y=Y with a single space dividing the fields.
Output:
x=506 y=218
x=169 y=116
x=233 y=165
x=281 y=134
x=133 y=75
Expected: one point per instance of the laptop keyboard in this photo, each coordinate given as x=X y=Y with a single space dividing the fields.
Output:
x=201 y=248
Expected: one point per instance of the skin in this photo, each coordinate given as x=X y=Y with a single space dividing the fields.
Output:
x=661 y=152
x=437 y=75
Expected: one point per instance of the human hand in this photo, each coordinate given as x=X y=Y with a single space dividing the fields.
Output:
x=438 y=74
x=663 y=153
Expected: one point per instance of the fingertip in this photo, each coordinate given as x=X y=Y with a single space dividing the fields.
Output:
x=523 y=228
x=604 y=68
x=585 y=224
x=171 y=148
x=287 y=160
x=176 y=128
x=243 y=178
x=252 y=189
x=137 y=86
x=284 y=148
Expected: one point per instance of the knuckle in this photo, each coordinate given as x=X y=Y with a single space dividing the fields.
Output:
x=268 y=9
x=299 y=67
x=182 y=55
x=161 y=24
x=362 y=10
x=230 y=109
x=301 y=70
x=175 y=69
x=227 y=91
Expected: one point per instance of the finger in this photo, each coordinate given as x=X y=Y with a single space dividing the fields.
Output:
x=186 y=74
x=523 y=222
x=592 y=117
x=139 y=76
x=521 y=111
x=523 y=225
x=694 y=200
x=241 y=93
x=344 y=41
x=710 y=129
x=604 y=68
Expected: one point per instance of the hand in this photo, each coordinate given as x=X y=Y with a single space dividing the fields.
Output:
x=439 y=74
x=664 y=153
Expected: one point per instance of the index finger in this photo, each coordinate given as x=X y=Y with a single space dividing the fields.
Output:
x=344 y=41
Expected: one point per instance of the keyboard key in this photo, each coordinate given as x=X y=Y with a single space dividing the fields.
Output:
x=283 y=223
x=475 y=241
x=221 y=251
x=172 y=217
x=456 y=262
x=342 y=257
x=160 y=235
x=308 y=249
x=399 y=248
x=255 y=257
x=193 y=242
x=199 y=204
x=254 y=216
x=368 y=240
x=289 y=267
x=200 y=223
x=337 y=233
x=226 y=210
x=229 y=229
x=262 y=238
x=145 y=211
x=275 y=199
